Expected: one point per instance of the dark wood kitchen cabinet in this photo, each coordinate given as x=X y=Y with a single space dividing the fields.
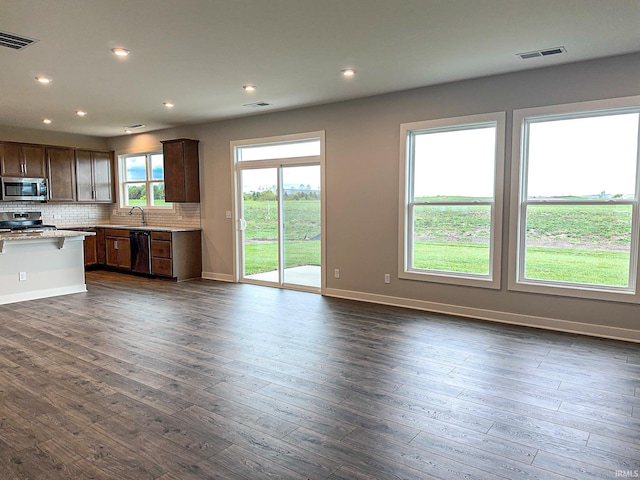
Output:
x=62 y=174
x=94 y=254
x=94 y=176
x=181 y=171
x=176 y=254
x=22 y=160
x=117 y=248
x=94 y=247
x=90 y=251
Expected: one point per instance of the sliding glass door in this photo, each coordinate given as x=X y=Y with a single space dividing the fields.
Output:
x=300 y=194
x=260 y=224
x=279 y=216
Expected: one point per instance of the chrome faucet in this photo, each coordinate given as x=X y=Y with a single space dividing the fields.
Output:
x=144 y=221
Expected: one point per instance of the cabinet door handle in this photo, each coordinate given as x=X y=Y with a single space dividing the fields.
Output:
x=115 y=245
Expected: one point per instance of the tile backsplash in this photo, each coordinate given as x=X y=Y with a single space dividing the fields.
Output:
x=182 y=215
x=88 y=214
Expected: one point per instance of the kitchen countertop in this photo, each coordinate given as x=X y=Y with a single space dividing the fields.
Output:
x=57 y=235
x=44 y=234
x=155 y=228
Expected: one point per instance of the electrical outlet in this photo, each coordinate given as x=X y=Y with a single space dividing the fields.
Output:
x=387 y=278
x=22 y=276
x=227 y=214
x=336 y=273
x=179 y=217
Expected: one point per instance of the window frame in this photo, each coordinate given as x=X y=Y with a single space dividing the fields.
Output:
x=406 y=204
x=122 y=183
x=518 y=219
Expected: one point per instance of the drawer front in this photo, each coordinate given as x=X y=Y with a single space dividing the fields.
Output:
x=160 y=248
x=161 y=236
x=161 y=266
x=112 y=232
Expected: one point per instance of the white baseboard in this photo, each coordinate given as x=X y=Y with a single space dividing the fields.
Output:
x=49 y=292
x=491 y=315
x=221 y=277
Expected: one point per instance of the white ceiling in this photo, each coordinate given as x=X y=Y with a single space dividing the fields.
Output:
x=199 y=53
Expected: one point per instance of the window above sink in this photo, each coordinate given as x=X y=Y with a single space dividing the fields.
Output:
x=142 y=181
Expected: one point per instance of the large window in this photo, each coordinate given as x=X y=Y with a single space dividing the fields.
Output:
x=452 y=172
x=575 y=217
x=142 y=180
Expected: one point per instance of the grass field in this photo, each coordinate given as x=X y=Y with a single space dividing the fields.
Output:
x=263 y=256
x=598 y=267
x=580 y=244
x=301 y=228
x=142 y=202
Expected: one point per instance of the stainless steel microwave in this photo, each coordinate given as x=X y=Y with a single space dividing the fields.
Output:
x=23 y=189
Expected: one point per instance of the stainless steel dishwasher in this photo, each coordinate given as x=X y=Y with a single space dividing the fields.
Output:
x=140 y=251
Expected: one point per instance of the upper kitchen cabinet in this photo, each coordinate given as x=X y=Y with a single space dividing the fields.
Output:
x=22 y=160
x=181 y=170
x=94 y=176
x=62 y=174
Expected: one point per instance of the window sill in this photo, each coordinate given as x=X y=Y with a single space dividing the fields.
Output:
x=610 y=294
x=451 y=278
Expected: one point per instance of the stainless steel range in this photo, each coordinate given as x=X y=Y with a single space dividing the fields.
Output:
x=22 y=222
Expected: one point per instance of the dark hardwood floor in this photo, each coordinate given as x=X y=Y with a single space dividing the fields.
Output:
x=148 y=379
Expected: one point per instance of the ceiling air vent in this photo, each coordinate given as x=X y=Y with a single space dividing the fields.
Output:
x=542 y=53
x=135 y=125
x=256 y=104
x=15 y=42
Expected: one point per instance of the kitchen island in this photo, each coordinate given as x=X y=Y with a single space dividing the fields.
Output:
x=41 y=264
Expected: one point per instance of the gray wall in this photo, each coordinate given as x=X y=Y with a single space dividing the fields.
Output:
x=362 y=149
x=44 y=137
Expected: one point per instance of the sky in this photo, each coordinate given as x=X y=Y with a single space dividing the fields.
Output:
x=136 y=167
x=261 y=179
x=584 y=156
x=569 y=157
x=254 y=180
x=458 y=162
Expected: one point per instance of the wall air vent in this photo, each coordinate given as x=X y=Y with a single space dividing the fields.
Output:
x=15 y=42
x=542 y=53
x=256 y=105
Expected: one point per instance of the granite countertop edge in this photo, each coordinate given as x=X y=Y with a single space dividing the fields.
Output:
x=151 y=228
x=45 y=234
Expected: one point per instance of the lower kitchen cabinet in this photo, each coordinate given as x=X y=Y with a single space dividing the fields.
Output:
x=90 y=252
x=117 y=248
x=176 y=255
x=94 y=254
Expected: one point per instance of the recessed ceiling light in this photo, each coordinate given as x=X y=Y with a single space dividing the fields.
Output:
x=81 y=113
x=120 y=52
x=127 y=131
x=249 y=88
x=46 y=120
x=44 y=79
x=168 y=104
x=348 y=72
